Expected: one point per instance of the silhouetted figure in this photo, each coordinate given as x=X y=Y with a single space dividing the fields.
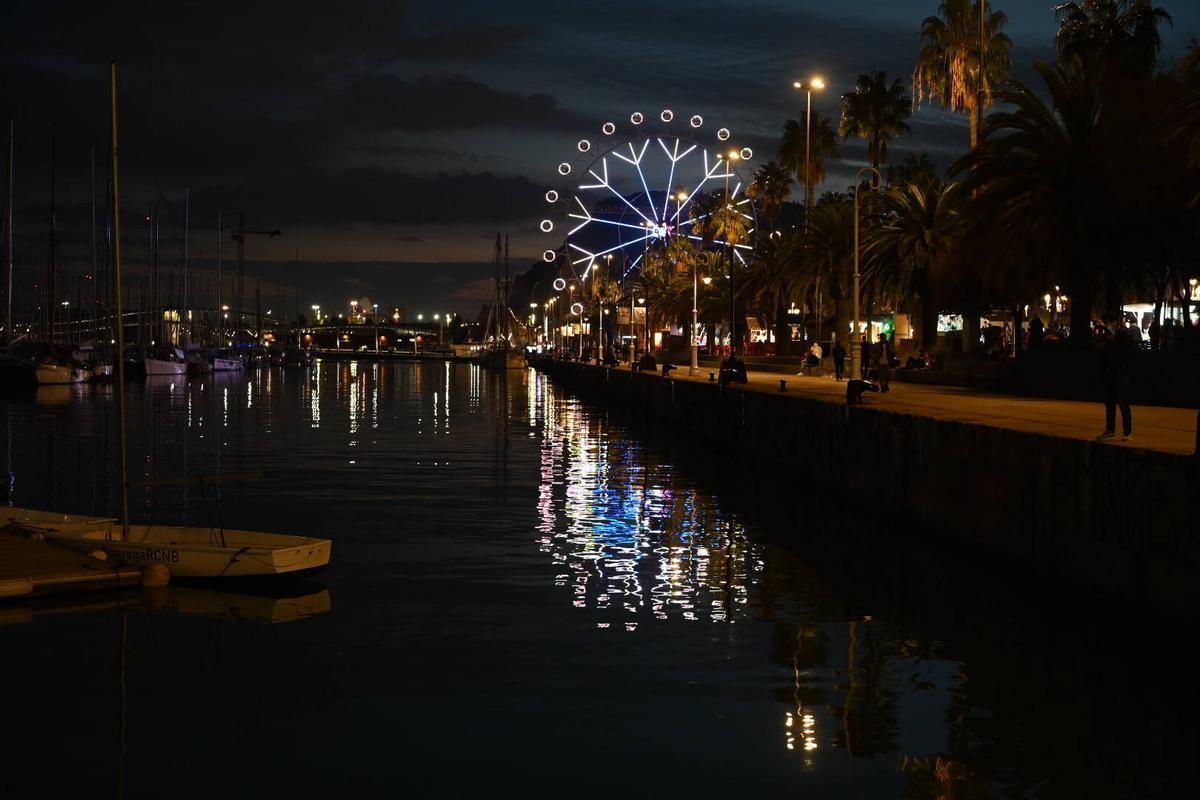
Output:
x=1114 y=343
x=839 y=359
x=881 y=355
x=647 y=363
x=1037 y=331
x=855 y=389
x=733 y=370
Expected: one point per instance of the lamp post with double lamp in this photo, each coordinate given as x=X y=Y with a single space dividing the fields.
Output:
x=856 y=337
x=807 y=87
x=729 y=158
x=694 y=367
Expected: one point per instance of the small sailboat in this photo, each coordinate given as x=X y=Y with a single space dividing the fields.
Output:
x=227 y=361
x=186 y=552
x=166 y=361
x=499 y=351
x=50 y=373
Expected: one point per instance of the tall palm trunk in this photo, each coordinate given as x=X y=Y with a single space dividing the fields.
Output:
x=783 y=331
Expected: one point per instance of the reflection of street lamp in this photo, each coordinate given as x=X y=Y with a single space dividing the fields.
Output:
x=856 y=339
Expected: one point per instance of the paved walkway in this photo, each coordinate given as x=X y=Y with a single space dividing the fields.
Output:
x=1169 y=430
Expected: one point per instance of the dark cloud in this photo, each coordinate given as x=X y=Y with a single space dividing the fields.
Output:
x=436 y=103
x=365 y=195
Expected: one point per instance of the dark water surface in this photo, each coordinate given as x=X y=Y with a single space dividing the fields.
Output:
x=527 y=598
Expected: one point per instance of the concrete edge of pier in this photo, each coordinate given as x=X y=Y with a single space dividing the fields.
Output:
x=1121 y=521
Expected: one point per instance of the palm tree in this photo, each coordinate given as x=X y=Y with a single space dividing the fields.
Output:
x=917 y=168
x=1034 y=172
x=822 y=146
x=769 y=187
x=1114 y=36
x=715 y=220
x=876 y=112
x=913 y=248
x=776 y=279
x=829 y=254
x=947 y=70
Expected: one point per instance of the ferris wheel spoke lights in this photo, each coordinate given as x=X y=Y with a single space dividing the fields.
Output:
x=616 y=214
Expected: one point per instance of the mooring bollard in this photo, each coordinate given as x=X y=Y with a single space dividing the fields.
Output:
x=712 y=376
x=782 y=385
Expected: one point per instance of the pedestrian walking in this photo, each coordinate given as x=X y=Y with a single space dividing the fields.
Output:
x=882 y=358
x=839 y=359
x=1114 y=344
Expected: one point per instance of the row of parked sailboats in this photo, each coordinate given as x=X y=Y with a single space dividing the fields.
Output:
x=28 y=363
x=184 y=551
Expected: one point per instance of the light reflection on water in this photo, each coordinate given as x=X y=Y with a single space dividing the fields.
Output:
x=499 y=525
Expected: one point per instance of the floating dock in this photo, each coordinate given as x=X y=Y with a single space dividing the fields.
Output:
x=28 y=566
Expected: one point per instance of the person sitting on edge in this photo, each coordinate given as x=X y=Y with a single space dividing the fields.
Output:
x=647 y=363
x=733 y=370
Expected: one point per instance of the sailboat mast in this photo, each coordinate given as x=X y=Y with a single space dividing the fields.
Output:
x=220 y=311
x=50 y=266
x=116 y=186
x=506 y=325
x=95 y=282
x=185 y=333
x=8 y=236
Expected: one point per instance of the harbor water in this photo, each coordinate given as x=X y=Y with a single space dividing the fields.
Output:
x=529 y=596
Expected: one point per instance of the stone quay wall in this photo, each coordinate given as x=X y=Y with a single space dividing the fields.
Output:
x=1120 y=520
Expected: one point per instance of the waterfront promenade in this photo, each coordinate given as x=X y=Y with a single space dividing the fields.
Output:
x=1165 y=430
x=1015 y=475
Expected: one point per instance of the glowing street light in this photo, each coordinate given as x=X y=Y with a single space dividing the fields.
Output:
x=856 y=339
x=808 y=87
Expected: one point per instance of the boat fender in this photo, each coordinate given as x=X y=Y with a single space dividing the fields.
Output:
x=156 y=575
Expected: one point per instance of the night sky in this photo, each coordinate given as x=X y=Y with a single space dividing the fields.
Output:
x=391 y=140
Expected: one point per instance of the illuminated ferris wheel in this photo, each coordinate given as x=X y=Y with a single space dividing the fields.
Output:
x=634 y=189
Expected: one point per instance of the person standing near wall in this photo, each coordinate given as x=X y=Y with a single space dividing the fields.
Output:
x=839 y=359
x=882 y=358
x=1114 y=344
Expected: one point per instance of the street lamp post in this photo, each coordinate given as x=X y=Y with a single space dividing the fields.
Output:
x=375 y=317
x=807 y=87
x=730 y=157
x=856 y=338
x=632 y=331
x=694 y=367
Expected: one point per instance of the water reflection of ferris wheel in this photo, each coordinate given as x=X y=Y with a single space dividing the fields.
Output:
x=632 y=191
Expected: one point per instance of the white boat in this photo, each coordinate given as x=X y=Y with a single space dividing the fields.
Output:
x=227 y=364
x=49 y=373
x=32 y=517
x=166 y=362
x=199 y=552
x=185 y=552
